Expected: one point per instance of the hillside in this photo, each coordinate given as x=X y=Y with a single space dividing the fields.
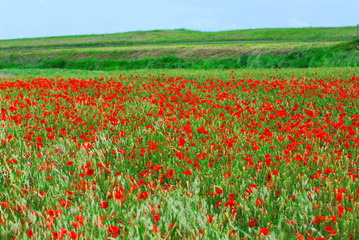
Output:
x=178 y=36
x=102 y=53
x=225 y=56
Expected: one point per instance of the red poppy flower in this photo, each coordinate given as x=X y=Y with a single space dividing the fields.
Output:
x=153 y=145
x=259 y=202
x=70 y=163
x=65 y=203
x=187 y=128
x=155 y=228
x=300 y=236
x=76 y=225
x=42 y=193
x=30 y=233
x=171 y=226
x=90 y=172
x=210 y=218
x=144 y=196
x=187 y=172
x=104 y=205
x=281 y=138
x=55 y=235
x=80 y=219
x=171 y=173
x=251 y=224
x=267 y=132
x=202 y=130
x=328 y=228
x=333 y=218
x=264 y=231
x=4 y=204
x=340 y=211
x=310 y=113
x=181 y=142
x=72 y=235
x=12 y=161
x=112 y=229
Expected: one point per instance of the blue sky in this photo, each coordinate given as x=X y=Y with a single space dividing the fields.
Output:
x=38 y=18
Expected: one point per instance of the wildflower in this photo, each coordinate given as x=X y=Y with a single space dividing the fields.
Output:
x=264 y=231
x=30 y=233
x=104 y=205
x=171 y=173
x=251 y=224
x=112 y=230
x=69 y=163
x=42 y=193
x=341 y=210
x=90 y=172
x=144 y=196
x=202 y=130
x=181 y=142
x=72 y=235
x=300 y=236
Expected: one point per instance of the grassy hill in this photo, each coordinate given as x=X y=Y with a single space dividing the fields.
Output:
x=177 y=36
x=226 y=56
x=98 y=55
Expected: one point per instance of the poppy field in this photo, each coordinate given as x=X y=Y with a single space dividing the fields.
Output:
x=264 y=154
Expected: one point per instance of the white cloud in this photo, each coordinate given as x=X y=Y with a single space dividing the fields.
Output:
x=297 y=23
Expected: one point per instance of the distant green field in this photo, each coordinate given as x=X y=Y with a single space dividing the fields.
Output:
x=101 y=54
x=207 y=51
x=177 y=36
x=189 y=57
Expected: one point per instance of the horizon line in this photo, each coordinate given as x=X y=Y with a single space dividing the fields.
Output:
x=164 y=29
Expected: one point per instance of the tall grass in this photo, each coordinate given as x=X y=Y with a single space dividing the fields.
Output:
x=303 y=58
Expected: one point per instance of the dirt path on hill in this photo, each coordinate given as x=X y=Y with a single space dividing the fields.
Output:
x=180 y=43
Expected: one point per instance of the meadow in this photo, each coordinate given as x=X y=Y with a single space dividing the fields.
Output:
x=179 y=153
x=167 y=49
x=214 y=56
x=183 y=35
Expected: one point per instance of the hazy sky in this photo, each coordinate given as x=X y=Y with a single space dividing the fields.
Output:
x=37 y=18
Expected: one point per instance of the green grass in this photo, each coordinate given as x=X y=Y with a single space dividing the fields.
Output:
x=339 y=55
x=184 y=51
x=176 y=36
